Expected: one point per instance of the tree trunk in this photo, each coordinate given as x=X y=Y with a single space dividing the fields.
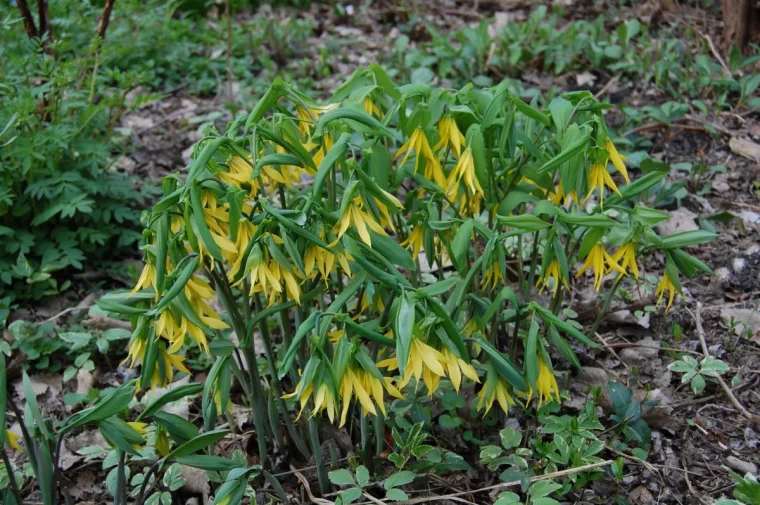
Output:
x=741 y=21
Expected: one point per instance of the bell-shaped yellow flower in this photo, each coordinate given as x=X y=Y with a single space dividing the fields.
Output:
x=465 y=170
x=626 y=257
x=617 y=159
x=368 y=390
x=598 y=177
x=424 y=363
x=361 y=221
x=147 y=279
x=493 y=276
x=553 y=272
x=12 y=440
x=601 y=262
x=666 y=285
x=558 y=196
x=414 y=241
x=546 y=383
x=450 y=135
x=371 y=108
x=319 y=261
x=456 y=367
x=495 y=389
x=419 y=144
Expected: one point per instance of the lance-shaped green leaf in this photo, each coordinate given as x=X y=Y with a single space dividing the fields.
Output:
x=564 y=326
x=461 y=244
x=563 y=347
x=480 y=158
x=235 y=197
x=170 y=396
x=687 y=238
x=290 y=355
x=688 y=264
x=366 y=332
x=501 y=93
x=199 y=222
x=530 y=112
x=188 y=269
x=448 y=327
x=162 y=245
x=635 y=188
x=197 y=444
x=503 y=365
x=270 y=98
x=591 y=221
x=564 y=155
x=526 y=222
x=337 y=151
x=294 y=148
x=209 y=463
x=199 y=164
x=115 y=402
x=392 y=251
x=275 y=159
x=149 y=360
x=120 y=434
x=440 y=287
x=403 y=329
x=344 y=113
x=531 y=355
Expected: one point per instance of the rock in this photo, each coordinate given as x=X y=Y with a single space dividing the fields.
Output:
x=680 y=220
x=641 y=354
x=745 y=147
x=641 y=496
x=196 y=481
x=741 y=466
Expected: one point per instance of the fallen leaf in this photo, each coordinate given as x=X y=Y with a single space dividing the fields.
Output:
x=641 y=496
x=180 y=408
x=641 y=354
x=84 y=381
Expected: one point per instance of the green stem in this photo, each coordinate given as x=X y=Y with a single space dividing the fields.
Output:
x=533 y=263
x=269 y=351
x=11 y=475
x=606 y=306
x=316 y=447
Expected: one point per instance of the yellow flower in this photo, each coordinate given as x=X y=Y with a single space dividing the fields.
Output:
x=336 y=335
x=465 y=169
x=162 y=442
x=546 y=384
x=371 y=108
x=418 y=142
x=135 y=352
x=617 y=159
x=450 y=135
x=268 y=277
x=666 y=285
x=601 y=262
x=414 y=241
x=554 y=272
x=325 y=263
x=559 y=196
x=456 y=366
x=366 y=388
x=12 y=440
x=138 y=427
x=325 y=400
x=626 y=256
x=171 y=362
x=361 y=221
x=598 y=177
x=495 y=389
x=424 y=363
x=147 y=279
x=493 y=276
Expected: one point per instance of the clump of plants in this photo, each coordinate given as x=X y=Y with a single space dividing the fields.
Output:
x=394 y=241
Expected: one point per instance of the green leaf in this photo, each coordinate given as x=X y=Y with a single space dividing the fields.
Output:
x=198 y=443
x=210 y=463
x=530 y=112
x=440 y=287
x=181 y=430
x=199 y=223
x=399 y=479
x=543 y=488
x=510 y=438
x=362 y=475
x=341 y=477
x=34 y=408
x=395 y=494
x=687 y=238
x=525 y=222
x=403 y=330
x=503 y=365
x=461 y=244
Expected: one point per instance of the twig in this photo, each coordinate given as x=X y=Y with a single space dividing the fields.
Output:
x=688 y=481
x=732 y=398
x=305 y=484
x=610 y=349
x=657 y=126
x=42 y=14
x=548 y=476
x=706 y=399
x=599 y=94
x=105 y=18
x=717 y=55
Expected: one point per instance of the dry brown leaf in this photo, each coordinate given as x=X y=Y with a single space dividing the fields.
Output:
x=745 y=147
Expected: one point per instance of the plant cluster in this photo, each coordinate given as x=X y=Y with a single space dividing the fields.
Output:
x=397 y=240
x=546 y=44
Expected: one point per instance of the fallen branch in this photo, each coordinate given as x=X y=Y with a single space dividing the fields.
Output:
x=731 y=396
x=717 y=55
x=31 y=28
x=105 y=18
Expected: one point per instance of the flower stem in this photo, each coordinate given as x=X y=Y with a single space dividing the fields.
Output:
x=11 y=475
x=606 y=305
x=324 y=483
